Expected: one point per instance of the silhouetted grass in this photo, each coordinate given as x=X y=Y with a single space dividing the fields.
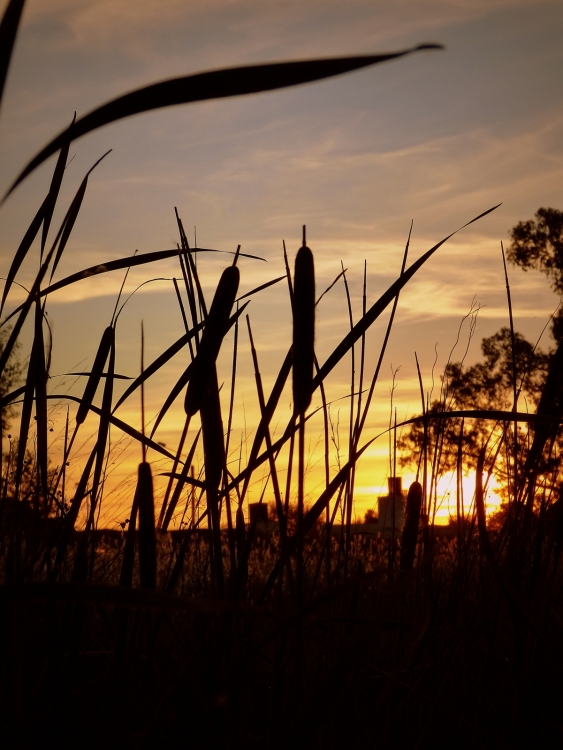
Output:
x=207 y=631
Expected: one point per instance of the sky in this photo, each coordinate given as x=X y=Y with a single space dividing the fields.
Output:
x=435 y=138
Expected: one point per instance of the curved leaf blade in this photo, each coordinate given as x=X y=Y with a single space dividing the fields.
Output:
x=214 y=84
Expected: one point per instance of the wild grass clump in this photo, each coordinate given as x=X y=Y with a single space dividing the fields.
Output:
x=195 y=624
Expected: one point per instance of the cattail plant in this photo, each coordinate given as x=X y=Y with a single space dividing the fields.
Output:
x=410 y=528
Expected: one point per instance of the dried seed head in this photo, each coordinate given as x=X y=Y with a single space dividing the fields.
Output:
x=147 y=534
x=216 y=326
x=303 y=328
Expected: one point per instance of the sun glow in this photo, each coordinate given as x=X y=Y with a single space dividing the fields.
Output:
x=446 y=492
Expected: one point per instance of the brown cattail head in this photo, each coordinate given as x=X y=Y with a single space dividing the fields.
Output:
x=216 y=325
x=410 y=529
x=147 y=534
x=303 y=328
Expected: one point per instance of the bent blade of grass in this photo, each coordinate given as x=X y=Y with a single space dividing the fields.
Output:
x=34 y=292
x=23 y=249
x=260 y=288
x=94 y=378
x=116 y=265
x=9 y=397
x=69 y=223
x=159 y=362
x=378 y=307
x=103 y=428
x=54 y=188
x=120 y=424
x=215 y=84
x=183 y=479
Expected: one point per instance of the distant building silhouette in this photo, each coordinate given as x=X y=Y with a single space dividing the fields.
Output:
x=258 y=512
x=394 y=500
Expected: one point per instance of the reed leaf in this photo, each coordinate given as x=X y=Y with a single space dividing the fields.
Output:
x=106 y=343
x=41 y=377
x=159 y=362
x=166 y=513
x=34 y=292
x=23 y=249
x=55 y=187
x=260 y=288
x=312 y=516
x=8 y=32
x=128 y=561
x=121 y=425
x=117 y=265
x=69 y=520
x=215 y=84
x=184 y=380
x=103 y=428
x=378 y=307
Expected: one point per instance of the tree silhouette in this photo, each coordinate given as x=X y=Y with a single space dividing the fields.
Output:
x=9 y=379
x=535 y=244
x=538 y=244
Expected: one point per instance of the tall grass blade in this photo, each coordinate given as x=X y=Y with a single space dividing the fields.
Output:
x=183 y=479
x=215 y=84
x=23 y=249
x=159 y=362
x=378 y=307
x=54 y=188
x=35 y=291
x=41 y=377
x=103 y=429
x=313 y=515
x=69 y=520
x=120 y=424
x=214 y=459
x=260 y=288
x=104 y=348
x=117 y=265
x=184 y=380
x=8 y=32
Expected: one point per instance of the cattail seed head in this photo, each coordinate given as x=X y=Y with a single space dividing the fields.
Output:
x=216 y=326
x=303 y=328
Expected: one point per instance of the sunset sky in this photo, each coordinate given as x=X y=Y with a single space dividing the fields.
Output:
x=436 y=138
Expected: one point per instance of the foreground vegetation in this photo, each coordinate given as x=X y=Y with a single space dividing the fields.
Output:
x=216 y=634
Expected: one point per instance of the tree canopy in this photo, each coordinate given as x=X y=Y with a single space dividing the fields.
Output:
x=489 y=384
x=538 y=244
